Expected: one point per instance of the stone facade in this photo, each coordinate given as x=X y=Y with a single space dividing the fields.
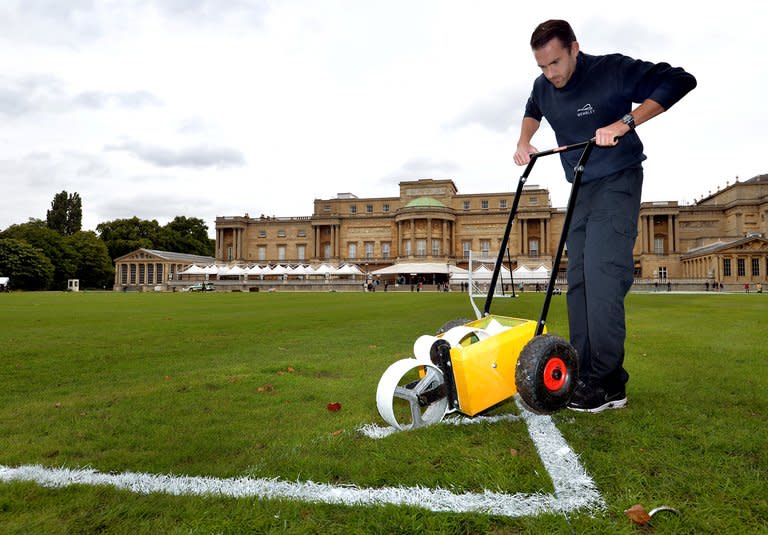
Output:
x=431 y=221
x=149 y=269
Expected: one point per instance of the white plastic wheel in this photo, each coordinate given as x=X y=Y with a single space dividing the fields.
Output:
x=399 y=396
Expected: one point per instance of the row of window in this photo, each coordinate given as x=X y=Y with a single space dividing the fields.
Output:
x=417 y=247
x=484 y=205
x=741 y=267
x=281 y=233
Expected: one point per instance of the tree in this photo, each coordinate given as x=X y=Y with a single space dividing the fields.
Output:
x=122 y=236
x=28 y=267
x=52 y=244
x=66 y=213
x=94 y=267
x=186 y=235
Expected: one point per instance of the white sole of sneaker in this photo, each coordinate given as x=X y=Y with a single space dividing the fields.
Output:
x=615 y=404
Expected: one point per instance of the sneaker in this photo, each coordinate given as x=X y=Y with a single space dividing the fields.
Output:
x=597 y=400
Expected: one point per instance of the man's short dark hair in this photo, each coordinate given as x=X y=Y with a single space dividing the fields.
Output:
x=548 y=30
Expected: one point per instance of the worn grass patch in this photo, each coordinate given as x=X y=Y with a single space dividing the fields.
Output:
x=228 y=385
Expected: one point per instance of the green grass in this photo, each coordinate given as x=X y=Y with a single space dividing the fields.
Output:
x=199 y=384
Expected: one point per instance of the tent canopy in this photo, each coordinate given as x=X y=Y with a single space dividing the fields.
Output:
x=414 y=267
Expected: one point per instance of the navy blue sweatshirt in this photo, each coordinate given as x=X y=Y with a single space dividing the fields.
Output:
x=600 y=92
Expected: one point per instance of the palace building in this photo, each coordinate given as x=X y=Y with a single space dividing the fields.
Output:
x=430 y=227
x=719 y=238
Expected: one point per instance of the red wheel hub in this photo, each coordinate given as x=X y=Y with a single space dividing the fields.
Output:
x=555 y=374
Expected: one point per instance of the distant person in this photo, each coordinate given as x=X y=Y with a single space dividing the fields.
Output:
x=582 y=97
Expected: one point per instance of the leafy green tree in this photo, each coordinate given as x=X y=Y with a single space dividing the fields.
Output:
x=27 y=266
x=186 y=235
x=122 y=236
x=94 y=266
x=52 y=244
x=66 y=213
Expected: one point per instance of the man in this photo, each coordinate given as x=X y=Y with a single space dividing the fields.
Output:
x=584 y=96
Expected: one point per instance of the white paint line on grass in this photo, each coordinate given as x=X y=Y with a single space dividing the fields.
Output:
x=376 y=432
x=574 y=489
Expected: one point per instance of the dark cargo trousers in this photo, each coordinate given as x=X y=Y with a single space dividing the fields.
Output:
x=600 y=273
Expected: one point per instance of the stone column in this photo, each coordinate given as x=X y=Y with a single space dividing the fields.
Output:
x=670 y=234
x=524 y=246
x=429 y=237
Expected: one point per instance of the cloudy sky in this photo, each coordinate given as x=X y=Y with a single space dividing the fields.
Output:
x=203 y=108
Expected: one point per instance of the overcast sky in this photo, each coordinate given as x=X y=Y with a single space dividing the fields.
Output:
x=204 y=108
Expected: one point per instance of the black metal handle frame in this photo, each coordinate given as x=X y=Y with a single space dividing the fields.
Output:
x=578 y=171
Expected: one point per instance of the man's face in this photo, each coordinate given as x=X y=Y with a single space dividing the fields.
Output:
x=556 y=62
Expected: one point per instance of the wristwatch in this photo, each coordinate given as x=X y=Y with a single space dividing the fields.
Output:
x=629 y=120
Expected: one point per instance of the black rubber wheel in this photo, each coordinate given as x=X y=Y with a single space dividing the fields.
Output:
x=546 y=374
x=448 y=325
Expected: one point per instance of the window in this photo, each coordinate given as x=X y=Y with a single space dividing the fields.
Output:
x=326 y=250
x=385 y=248
x=281 y=233
x=262 y=234
x=326 y=208
x=352 y=249
x=421 y=247
x=503 y=204
x=435 y=247
x=484 y=204
x=368 y=208
x=533 y=200
x=658 y=246
x=141 y=273
x=301 y=233
x=755 y=266
x=385 y=208
x=160 y=273
x=301 y=251
x=133 y=273
x=352 y=208
x=229 y=253
x=533 y=247
x=726 y=267
x=466 y=205
x=262 y=253
x=485 y=247
x=741 y=267
x=150 y=273
x=369 y=249
x=281 y=253
x=123 y=274
x=466 y=247
x=407 y=247
x=663 y=273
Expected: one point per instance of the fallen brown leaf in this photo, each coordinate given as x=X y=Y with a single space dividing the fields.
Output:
x=513 y=452
x=337 y=433
x=638 y=514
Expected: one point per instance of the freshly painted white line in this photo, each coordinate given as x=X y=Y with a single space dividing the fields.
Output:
x=374 y=431
x=574 y=489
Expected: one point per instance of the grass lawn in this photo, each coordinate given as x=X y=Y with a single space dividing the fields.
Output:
x=229 y=385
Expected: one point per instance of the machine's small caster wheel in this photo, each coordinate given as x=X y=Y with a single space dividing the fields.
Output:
x=448 y=325
x=412 y=394
x=546 y=374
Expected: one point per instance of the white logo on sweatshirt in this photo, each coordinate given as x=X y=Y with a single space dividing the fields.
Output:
x=586 y=109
